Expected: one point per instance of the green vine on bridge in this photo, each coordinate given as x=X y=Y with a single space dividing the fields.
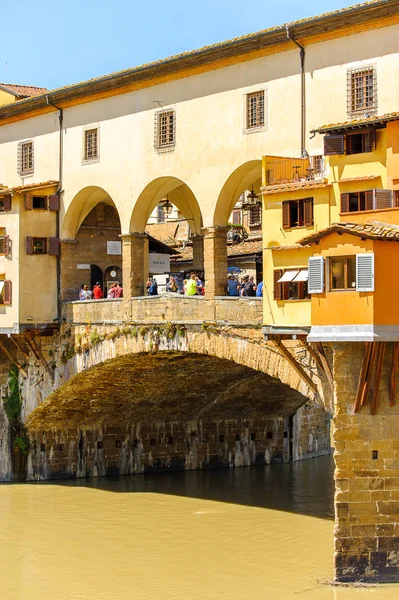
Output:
x=19 y=437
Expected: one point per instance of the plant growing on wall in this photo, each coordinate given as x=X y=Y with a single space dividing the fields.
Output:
x=18 y=434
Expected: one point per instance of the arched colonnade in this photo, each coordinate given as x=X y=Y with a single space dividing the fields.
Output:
x=102 y=214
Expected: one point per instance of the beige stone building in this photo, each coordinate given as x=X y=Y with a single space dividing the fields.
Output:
x=190 y=128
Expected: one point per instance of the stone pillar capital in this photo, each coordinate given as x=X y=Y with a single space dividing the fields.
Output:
x=128 y=238
x=217 y=231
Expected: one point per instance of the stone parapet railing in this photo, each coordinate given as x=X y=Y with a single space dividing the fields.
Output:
x=165 y=307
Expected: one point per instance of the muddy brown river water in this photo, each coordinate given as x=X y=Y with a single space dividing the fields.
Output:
x=258 y=533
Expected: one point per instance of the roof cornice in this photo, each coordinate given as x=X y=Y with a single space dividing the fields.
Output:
x=274 y=39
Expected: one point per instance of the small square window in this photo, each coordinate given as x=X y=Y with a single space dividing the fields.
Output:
x=165 y=130
x=343 y=273
x=39 y=246
x=25 y=158
x=91 y=149
x=39 y=202
x=255 y=110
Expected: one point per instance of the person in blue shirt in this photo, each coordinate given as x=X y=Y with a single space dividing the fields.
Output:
x=259 y=290
x=233 y=287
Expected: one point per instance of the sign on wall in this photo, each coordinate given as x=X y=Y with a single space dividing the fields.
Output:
x=83 y=266
x=158 y=263
x=114 y=247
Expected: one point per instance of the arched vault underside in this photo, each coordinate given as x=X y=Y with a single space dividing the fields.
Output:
x=164 y=386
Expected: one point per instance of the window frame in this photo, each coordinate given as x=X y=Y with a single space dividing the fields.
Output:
x=356 y=106
x=282 y=292
x=25 y=170
x=343 y=258
x=87 y=160
x=169 y=143
x=260 y=122
x=302 y=221
x=255 y=210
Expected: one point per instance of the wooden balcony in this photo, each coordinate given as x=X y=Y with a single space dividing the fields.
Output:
x=293 y=170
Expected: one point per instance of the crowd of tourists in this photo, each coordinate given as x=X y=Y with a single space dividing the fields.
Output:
x=193 y=286
x=245 y=286
x=114 y=291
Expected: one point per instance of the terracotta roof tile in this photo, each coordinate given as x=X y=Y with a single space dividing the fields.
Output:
x=246 y=247
x=23 y=91
x=293 y=187
x=30 y=186
x=360 y=178
x=370 y=231
x=394 y=116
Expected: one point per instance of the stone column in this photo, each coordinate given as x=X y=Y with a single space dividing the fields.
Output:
x=215 y=261
x=366 y=474
x=133 y=264
x=71 y=278
x=198 y=252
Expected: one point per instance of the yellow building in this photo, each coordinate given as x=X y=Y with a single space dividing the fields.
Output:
x=355 y=185
x=12 y=93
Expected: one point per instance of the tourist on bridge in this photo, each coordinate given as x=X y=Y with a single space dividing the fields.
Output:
x=191 y=285
x=171 y=286
x=233 y=287
x=85 y=293
x=97 y=291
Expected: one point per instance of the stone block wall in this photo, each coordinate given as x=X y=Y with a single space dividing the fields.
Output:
x=366 y=475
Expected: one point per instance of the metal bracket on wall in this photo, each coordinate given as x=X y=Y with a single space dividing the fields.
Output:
x=38 y=353
x=13 y=360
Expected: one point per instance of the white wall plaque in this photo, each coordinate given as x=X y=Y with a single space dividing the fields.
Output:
x=158 y=263
x=114 y=248
x=83 y=267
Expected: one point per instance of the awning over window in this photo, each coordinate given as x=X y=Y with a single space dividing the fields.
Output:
x=302 y=275
x=288 y=276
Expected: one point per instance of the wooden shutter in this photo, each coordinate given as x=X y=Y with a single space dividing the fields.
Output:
x=383 y=199
x=308 y=211
x=369 y=200
x=365 y=272
x=54 y=246
x=29 y=245
x=316 y=275
x=333 y=144
x=286 y=215
x=28 y=202
x=344 y=203
x=7 y=202
x=278 y=287
x=369 y=141
x=7 y=291
x=54 y=202
x=6 y=245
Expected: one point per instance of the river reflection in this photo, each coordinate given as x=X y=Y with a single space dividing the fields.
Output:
x=259 y=533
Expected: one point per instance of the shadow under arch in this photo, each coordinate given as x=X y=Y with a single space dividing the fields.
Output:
x=131 y=388
x=246 y=175
x=82 y=204
x=178 y=194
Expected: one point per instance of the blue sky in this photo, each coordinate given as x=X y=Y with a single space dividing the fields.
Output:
x=53 y=43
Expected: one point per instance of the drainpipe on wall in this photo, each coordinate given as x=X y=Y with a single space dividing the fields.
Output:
x=304 y=153
x=59 y=192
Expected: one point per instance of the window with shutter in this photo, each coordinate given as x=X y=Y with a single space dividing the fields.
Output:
x=5 y=203
x=286 y=215
x=6 y=245
x=333 y=144
x=236 y=217
x=365 y=272
x=278 y=287
x=29 y=245
x=383 y=199
x=344 y=203
x=363 y=141
x=28 y=201
x=308 y=211
x=54 y=246
x=316 y=275
x=369 y=200
x=7 y=291
x=54 y=202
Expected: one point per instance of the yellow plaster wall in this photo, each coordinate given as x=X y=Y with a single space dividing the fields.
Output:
x=393 y=155
x=6 y=98
x=37 y=273
x=9 y=266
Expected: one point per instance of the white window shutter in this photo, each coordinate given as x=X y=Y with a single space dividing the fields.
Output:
x=365 y=272
x=316 y=275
